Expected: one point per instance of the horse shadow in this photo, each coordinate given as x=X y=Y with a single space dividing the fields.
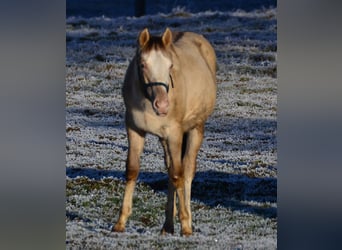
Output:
x=212 y=188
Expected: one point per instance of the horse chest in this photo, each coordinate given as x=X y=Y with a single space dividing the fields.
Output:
x=151 y=123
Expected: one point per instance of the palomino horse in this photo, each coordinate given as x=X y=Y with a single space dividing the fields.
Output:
x=169 y=91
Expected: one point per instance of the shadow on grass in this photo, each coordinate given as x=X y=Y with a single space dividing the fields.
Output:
x=212 y=188
x=239 y=192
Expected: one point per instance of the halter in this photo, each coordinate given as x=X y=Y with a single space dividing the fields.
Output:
x=151 y=84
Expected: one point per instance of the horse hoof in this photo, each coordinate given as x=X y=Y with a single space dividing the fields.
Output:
x=118 y=228
x=186 y=233
x=166 y=230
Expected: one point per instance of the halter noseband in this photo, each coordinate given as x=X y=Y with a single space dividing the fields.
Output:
x=151 y=84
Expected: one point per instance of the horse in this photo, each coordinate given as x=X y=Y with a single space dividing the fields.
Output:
x=169 y=91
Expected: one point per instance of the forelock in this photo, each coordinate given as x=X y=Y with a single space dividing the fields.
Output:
x=154 y=43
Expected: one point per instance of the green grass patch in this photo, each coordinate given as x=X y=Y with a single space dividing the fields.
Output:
x=248 y=104
x=257 y=71
x=257 y=91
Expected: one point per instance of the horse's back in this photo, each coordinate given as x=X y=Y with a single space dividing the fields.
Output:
x=197 y=66
x=188 y=40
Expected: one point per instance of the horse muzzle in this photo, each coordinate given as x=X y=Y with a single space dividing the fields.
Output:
x=158 y=97
x=161 y=106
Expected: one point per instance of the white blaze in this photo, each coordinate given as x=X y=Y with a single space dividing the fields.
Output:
x=157 y=66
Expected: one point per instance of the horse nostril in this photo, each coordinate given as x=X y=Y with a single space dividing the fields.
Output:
x=161 y=103
x=161 y=106
x=157 y=104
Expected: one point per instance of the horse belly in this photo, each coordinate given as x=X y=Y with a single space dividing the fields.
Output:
x=200 y=101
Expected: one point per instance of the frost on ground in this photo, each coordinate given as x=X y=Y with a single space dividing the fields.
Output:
x=234 y=196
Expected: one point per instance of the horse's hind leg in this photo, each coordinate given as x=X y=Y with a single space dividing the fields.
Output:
x=135 y=147
x=166 y=153
x=171 y=208
x=193 y=144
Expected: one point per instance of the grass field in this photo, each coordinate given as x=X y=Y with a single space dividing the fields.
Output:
x=234 y=196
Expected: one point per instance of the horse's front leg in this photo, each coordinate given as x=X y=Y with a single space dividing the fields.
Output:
x=176 y=177
x=135 y=146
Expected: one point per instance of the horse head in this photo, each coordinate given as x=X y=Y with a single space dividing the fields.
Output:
x=154 y=67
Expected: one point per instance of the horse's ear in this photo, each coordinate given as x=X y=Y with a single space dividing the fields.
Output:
x=144 y=37
x=167 y=37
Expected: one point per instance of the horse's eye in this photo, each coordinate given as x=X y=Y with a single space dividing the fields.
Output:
x=142 y=64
